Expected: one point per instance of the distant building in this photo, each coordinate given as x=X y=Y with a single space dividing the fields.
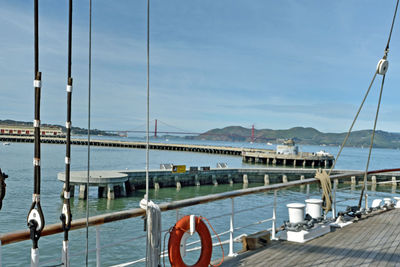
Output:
x=29 y=130
x=287 y=148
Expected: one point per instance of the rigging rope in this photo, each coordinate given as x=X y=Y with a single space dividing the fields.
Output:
x=371 y=144
x=381 y=69
x=88 y=133
x=35 y=218
x=148 y=261
x=66 y=216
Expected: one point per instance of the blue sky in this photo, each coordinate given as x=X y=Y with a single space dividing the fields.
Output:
x=274 y=64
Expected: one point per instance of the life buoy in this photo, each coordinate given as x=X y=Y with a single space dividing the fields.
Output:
x=174 y=243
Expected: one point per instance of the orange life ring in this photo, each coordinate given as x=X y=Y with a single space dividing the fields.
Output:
x=174 y=243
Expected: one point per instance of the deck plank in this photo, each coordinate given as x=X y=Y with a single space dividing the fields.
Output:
x=374 y=241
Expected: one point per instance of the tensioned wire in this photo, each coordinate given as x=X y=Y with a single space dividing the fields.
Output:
x=88 y=133
x=147 y=127
x=376 y=115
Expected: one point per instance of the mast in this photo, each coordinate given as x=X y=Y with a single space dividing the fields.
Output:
x=35 y=219
x=66 y=216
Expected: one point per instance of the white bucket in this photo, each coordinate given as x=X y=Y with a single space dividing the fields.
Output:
x=314 y=207
x=296 y=212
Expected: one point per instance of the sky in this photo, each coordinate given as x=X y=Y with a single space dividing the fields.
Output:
x=213 y=63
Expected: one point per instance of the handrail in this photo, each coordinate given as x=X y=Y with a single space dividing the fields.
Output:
x=13 y=237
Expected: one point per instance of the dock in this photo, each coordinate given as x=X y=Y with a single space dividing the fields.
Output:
x=374 y=241
x=120 y=183
x=249 y=155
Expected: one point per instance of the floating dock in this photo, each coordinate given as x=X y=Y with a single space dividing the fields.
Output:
x=249 y=155
x=113 y=184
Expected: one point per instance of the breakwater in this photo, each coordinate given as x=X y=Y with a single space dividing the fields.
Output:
x=112 y=184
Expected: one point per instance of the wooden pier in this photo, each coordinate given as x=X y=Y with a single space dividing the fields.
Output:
x=374 y=241
x=249 y=155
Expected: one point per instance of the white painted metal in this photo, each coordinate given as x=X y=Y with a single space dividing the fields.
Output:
x=274 y=217
x=395 y=198
x=231 y=231
x=65 y=254
x=192 y=224
x=304 y=236
x=296 y=212
x=98 y=246
x=334 y=199
x=34 y=257
x=314 y=207
x=376 y=203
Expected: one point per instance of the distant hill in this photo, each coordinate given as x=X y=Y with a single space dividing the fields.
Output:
x=302 y=135
x=74 y=130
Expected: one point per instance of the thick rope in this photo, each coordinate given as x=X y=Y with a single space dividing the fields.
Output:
x=326 y=186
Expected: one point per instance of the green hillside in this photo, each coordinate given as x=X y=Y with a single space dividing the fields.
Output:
x=302 y=135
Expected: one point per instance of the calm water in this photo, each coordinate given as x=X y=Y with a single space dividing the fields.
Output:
x=16 y=161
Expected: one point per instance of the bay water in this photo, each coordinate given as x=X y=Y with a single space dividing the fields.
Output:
x=123 y=241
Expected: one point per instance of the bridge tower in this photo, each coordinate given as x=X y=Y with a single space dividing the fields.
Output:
x=155 y=129
x=252 y=133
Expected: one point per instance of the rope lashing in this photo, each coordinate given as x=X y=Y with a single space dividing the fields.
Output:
x=326 y=186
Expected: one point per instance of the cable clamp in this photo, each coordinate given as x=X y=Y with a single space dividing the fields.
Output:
x=36 y=123
x=36 y=162
x=382 y=66
x=68 y=124
x=37 y=83
x=69 y=88
x=67 y=195
x=67 y=160
x=36 y=198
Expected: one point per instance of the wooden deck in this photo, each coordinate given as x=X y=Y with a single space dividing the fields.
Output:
x=374 y=241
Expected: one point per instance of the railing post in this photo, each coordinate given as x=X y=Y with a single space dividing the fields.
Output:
x=334 y=199
x=231 y=252
x=98 y=246
x=274 y=217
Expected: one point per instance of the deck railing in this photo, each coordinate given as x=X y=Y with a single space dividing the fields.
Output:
x=98 y=220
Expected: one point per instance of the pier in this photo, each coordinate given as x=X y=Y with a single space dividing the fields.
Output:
x=113 y=184
x=249 y=155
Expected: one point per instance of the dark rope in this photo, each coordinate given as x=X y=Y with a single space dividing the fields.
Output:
x=88 y=133
x=391 y=28
x=35 y=218
x=66 y=216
